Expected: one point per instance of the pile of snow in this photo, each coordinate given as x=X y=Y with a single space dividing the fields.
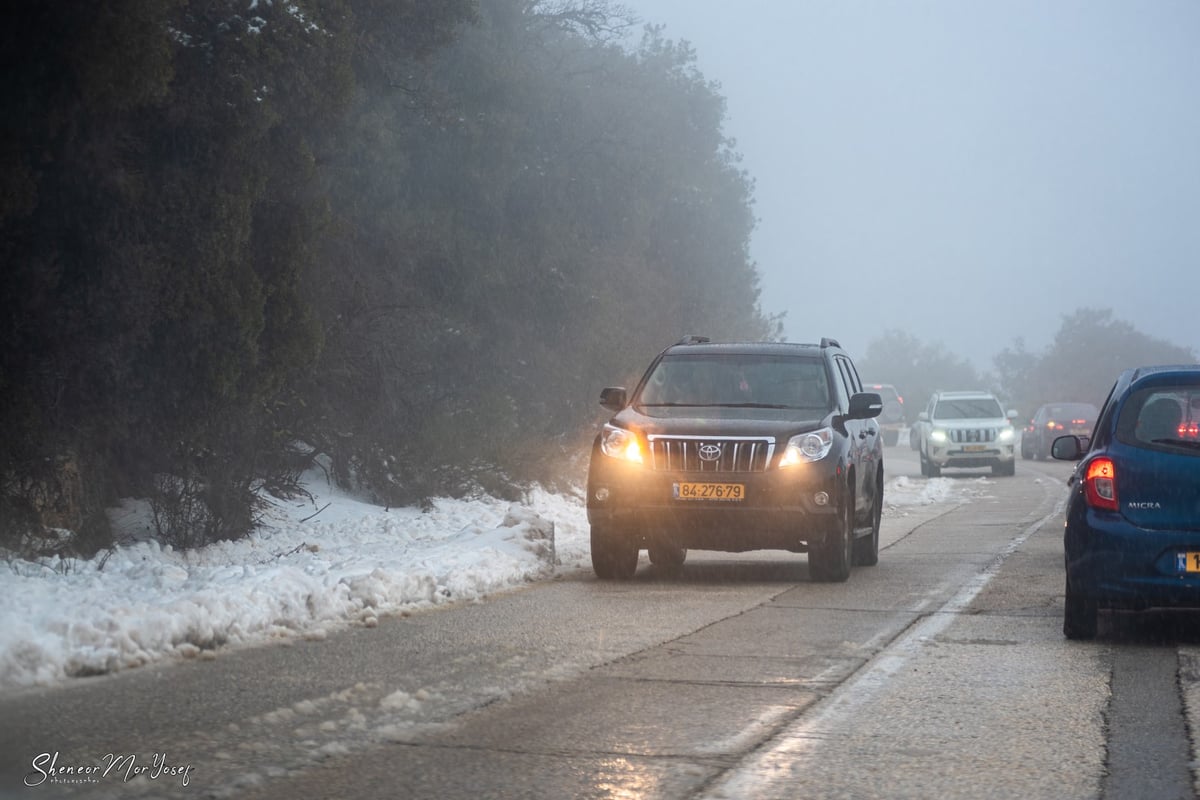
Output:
x=311 y=567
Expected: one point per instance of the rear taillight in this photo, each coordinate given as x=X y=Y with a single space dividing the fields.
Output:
x=1100 y=484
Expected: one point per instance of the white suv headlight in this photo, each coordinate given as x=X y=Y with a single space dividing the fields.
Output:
x=1005 y=435
x=807 y=447
x=938 y=436
x=620 y=443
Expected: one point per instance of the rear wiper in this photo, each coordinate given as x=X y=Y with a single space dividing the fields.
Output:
x=1188 y=443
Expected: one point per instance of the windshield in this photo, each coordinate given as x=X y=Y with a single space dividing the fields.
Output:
x=968 y=408
x=1162 y=417
x=737 y=380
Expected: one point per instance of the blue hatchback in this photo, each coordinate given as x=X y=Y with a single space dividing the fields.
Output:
x=1132 y=537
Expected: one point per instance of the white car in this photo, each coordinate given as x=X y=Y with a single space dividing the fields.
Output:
x=965 y=429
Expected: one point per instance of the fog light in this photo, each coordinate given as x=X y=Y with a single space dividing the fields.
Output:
x=821 y=498
x=602 y=494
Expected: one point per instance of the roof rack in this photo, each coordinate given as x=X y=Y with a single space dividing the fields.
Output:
x=827 y=342
x=693 y=339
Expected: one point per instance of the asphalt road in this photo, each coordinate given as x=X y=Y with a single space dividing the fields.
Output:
x=942 y=672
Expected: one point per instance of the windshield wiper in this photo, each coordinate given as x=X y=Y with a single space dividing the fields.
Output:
x=714 y=405
x=755 y=405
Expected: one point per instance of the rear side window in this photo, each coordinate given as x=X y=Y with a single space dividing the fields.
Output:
x=1162 y=417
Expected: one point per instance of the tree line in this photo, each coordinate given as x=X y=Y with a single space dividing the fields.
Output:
x=408 y=238
x=1091 y=348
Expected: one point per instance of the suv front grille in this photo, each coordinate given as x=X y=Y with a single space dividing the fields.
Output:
x=704 y=454
x=972 y=435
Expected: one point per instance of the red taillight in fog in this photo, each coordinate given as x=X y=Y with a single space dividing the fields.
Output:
x=1100 y=485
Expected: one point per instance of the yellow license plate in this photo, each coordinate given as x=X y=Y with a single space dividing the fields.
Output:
x=1188 y=562
x=974 y=448
x=709 y=491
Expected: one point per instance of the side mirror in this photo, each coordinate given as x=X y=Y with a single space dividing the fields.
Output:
x=1069 y=448
x=923 y=416
x=865 y=405
x=613 y=398
x=1012 y=413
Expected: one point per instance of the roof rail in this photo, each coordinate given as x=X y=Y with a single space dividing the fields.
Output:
x=827 y=342
x=693 y=339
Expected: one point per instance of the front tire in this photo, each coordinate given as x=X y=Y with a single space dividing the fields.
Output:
x=1079 y=615
x=830 y=561
x=932 y=470
x=614 y=554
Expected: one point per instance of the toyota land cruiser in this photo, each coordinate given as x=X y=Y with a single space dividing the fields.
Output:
x=738 y=446
x=965 y=429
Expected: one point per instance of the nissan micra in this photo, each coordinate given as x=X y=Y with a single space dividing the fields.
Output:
x=1132 y=537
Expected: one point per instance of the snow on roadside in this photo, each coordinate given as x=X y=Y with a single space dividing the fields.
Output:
x=312 y=567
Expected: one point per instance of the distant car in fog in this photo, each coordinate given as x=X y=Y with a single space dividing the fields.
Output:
x=1053 y=420
x=965 y=429
x=1132 y=536
x=891 y=419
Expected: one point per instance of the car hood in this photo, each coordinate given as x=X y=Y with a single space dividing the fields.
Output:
x=988 y=422
x=721 y=421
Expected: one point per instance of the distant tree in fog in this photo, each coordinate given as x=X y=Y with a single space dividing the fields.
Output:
x=1089 y=351
x=916 y=368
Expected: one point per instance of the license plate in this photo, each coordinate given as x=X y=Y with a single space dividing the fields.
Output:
x=709 y=491
x=974 y=448
x=1188 y=562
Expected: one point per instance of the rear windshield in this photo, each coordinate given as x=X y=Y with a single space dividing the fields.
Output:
x=737 y=380
x=1163 y=417
x=968 y=408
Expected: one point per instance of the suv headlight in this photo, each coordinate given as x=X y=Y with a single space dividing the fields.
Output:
x=937 y=436
x=1006 y=435
x=807 y=447
x=622 y=444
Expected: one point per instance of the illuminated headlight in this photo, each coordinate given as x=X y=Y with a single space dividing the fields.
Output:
x=620 y=443
x=807 y=447
x=938 y=436
x=1006 y=435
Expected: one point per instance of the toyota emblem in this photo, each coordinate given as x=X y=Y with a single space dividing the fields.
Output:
x=710 y=452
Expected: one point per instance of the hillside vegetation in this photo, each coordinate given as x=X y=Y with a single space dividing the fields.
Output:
x=412 y=237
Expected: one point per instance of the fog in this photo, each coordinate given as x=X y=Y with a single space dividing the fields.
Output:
x=968 y=172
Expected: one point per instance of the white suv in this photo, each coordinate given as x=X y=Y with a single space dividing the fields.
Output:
x=965 y=429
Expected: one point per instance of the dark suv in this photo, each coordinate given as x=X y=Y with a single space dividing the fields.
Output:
x=737 y=446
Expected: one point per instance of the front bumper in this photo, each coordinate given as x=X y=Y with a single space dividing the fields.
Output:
x=781 y=508
x=956 y=455
x=1121 y=565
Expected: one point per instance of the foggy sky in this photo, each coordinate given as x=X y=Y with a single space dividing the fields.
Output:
x=966 y=171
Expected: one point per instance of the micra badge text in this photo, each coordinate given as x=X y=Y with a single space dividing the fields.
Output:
x=46 y=769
